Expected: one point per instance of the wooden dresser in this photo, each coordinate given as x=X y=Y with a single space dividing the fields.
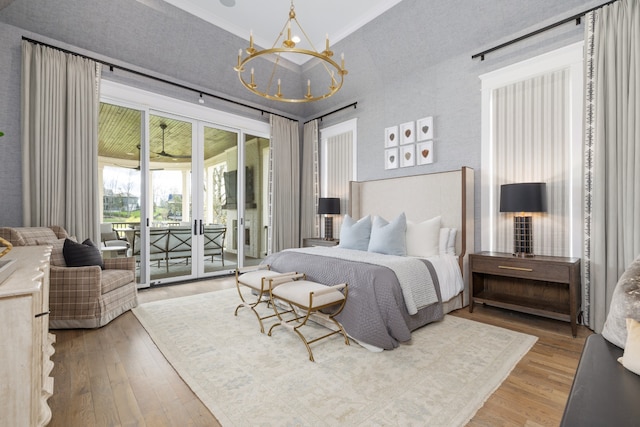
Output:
x=25 y=342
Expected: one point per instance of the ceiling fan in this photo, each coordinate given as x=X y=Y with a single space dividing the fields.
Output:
x=163 y=153
x=138 y=168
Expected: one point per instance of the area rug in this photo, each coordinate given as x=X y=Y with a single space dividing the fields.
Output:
x=245 y=378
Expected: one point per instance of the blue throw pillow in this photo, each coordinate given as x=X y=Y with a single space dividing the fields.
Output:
x=389 y=237
x=355 y=235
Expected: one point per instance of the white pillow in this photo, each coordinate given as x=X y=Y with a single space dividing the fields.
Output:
x=355 y=235
x=389 y=237
x=631 y=357
x=447 y=241
x=423 y=239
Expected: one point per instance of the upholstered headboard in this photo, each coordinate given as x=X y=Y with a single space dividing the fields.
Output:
x=421 y=197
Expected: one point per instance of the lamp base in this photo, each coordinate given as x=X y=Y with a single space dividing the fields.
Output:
x=522 y=237
x=523 y=255
x=328 y=228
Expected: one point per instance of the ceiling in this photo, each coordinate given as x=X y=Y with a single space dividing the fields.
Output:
x=266 y=18
x=120 y=135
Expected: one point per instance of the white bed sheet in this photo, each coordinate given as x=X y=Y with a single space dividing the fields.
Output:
x=449 y=275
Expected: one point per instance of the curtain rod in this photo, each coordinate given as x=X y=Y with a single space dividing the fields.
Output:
x=159 y=79
x=576 y=18
x=353 y=104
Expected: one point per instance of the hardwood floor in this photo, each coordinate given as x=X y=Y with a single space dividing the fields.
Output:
x=116 y=376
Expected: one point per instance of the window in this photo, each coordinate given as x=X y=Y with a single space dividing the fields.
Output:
x=338 y=148
x=531 y=132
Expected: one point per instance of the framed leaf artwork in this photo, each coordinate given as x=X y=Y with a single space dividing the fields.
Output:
x=391 y=137
x=407 y=133
x=424 y=152
x=391 y=158
x=424 y=128
x=407 y=155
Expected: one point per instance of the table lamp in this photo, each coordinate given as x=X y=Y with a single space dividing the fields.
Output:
x=523 y=198
x=328 y=206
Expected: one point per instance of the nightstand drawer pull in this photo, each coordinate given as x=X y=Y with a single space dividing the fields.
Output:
x=506 y=267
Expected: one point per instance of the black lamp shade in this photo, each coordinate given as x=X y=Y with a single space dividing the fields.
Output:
x=523 y=197
x=328 y=205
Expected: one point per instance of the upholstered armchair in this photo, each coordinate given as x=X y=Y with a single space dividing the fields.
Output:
x=80 y=297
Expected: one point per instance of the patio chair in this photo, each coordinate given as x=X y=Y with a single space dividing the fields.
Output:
x=214 y=241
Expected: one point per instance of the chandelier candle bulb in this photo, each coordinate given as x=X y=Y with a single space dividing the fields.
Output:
x=239 y=68
x=308 y=95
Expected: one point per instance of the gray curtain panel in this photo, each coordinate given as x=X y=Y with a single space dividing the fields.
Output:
x=309 y=191
x=60 y=99
x=613 y=152
x=284 y=184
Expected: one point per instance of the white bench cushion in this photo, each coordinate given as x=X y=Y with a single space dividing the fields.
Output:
x=297 y=292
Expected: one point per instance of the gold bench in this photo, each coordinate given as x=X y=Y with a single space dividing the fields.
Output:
x=310 y=298
x=258 y=281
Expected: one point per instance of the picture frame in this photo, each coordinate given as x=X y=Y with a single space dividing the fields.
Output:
x=424 y=128
x=391 y=159
x=424 y=153
x=407 y=133
x=407 y=155
x=391 y=137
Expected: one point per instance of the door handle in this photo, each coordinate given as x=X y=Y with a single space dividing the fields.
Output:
x=201 y=228
x=195 y=227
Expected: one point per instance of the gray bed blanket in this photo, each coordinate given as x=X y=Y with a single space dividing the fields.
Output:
x=375 y=312
x=413 y=275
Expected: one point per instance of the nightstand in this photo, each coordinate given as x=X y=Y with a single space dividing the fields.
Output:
x=541 y=285
x=308 y=242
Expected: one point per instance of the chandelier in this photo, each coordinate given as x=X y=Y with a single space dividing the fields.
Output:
x=335 y=73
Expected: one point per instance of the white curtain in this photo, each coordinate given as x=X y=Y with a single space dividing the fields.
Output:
x=60 y=98
x=531 y=143
x=612 y=150
x=337 y=172
x=284 y=184
x=309 y=191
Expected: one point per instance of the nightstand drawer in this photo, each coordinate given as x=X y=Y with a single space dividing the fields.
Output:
x=522 y=268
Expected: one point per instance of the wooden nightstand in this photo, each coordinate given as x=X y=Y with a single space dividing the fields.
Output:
x=307 y=242
x=542 y=285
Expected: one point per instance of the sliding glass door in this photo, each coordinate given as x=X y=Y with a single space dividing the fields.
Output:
x=171 y=220
x=121 y=136
x=184 y=187
x=256 y=217
x=219 y=198
x=234 y=198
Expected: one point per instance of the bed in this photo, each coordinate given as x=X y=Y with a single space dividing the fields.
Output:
x=386 y=302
